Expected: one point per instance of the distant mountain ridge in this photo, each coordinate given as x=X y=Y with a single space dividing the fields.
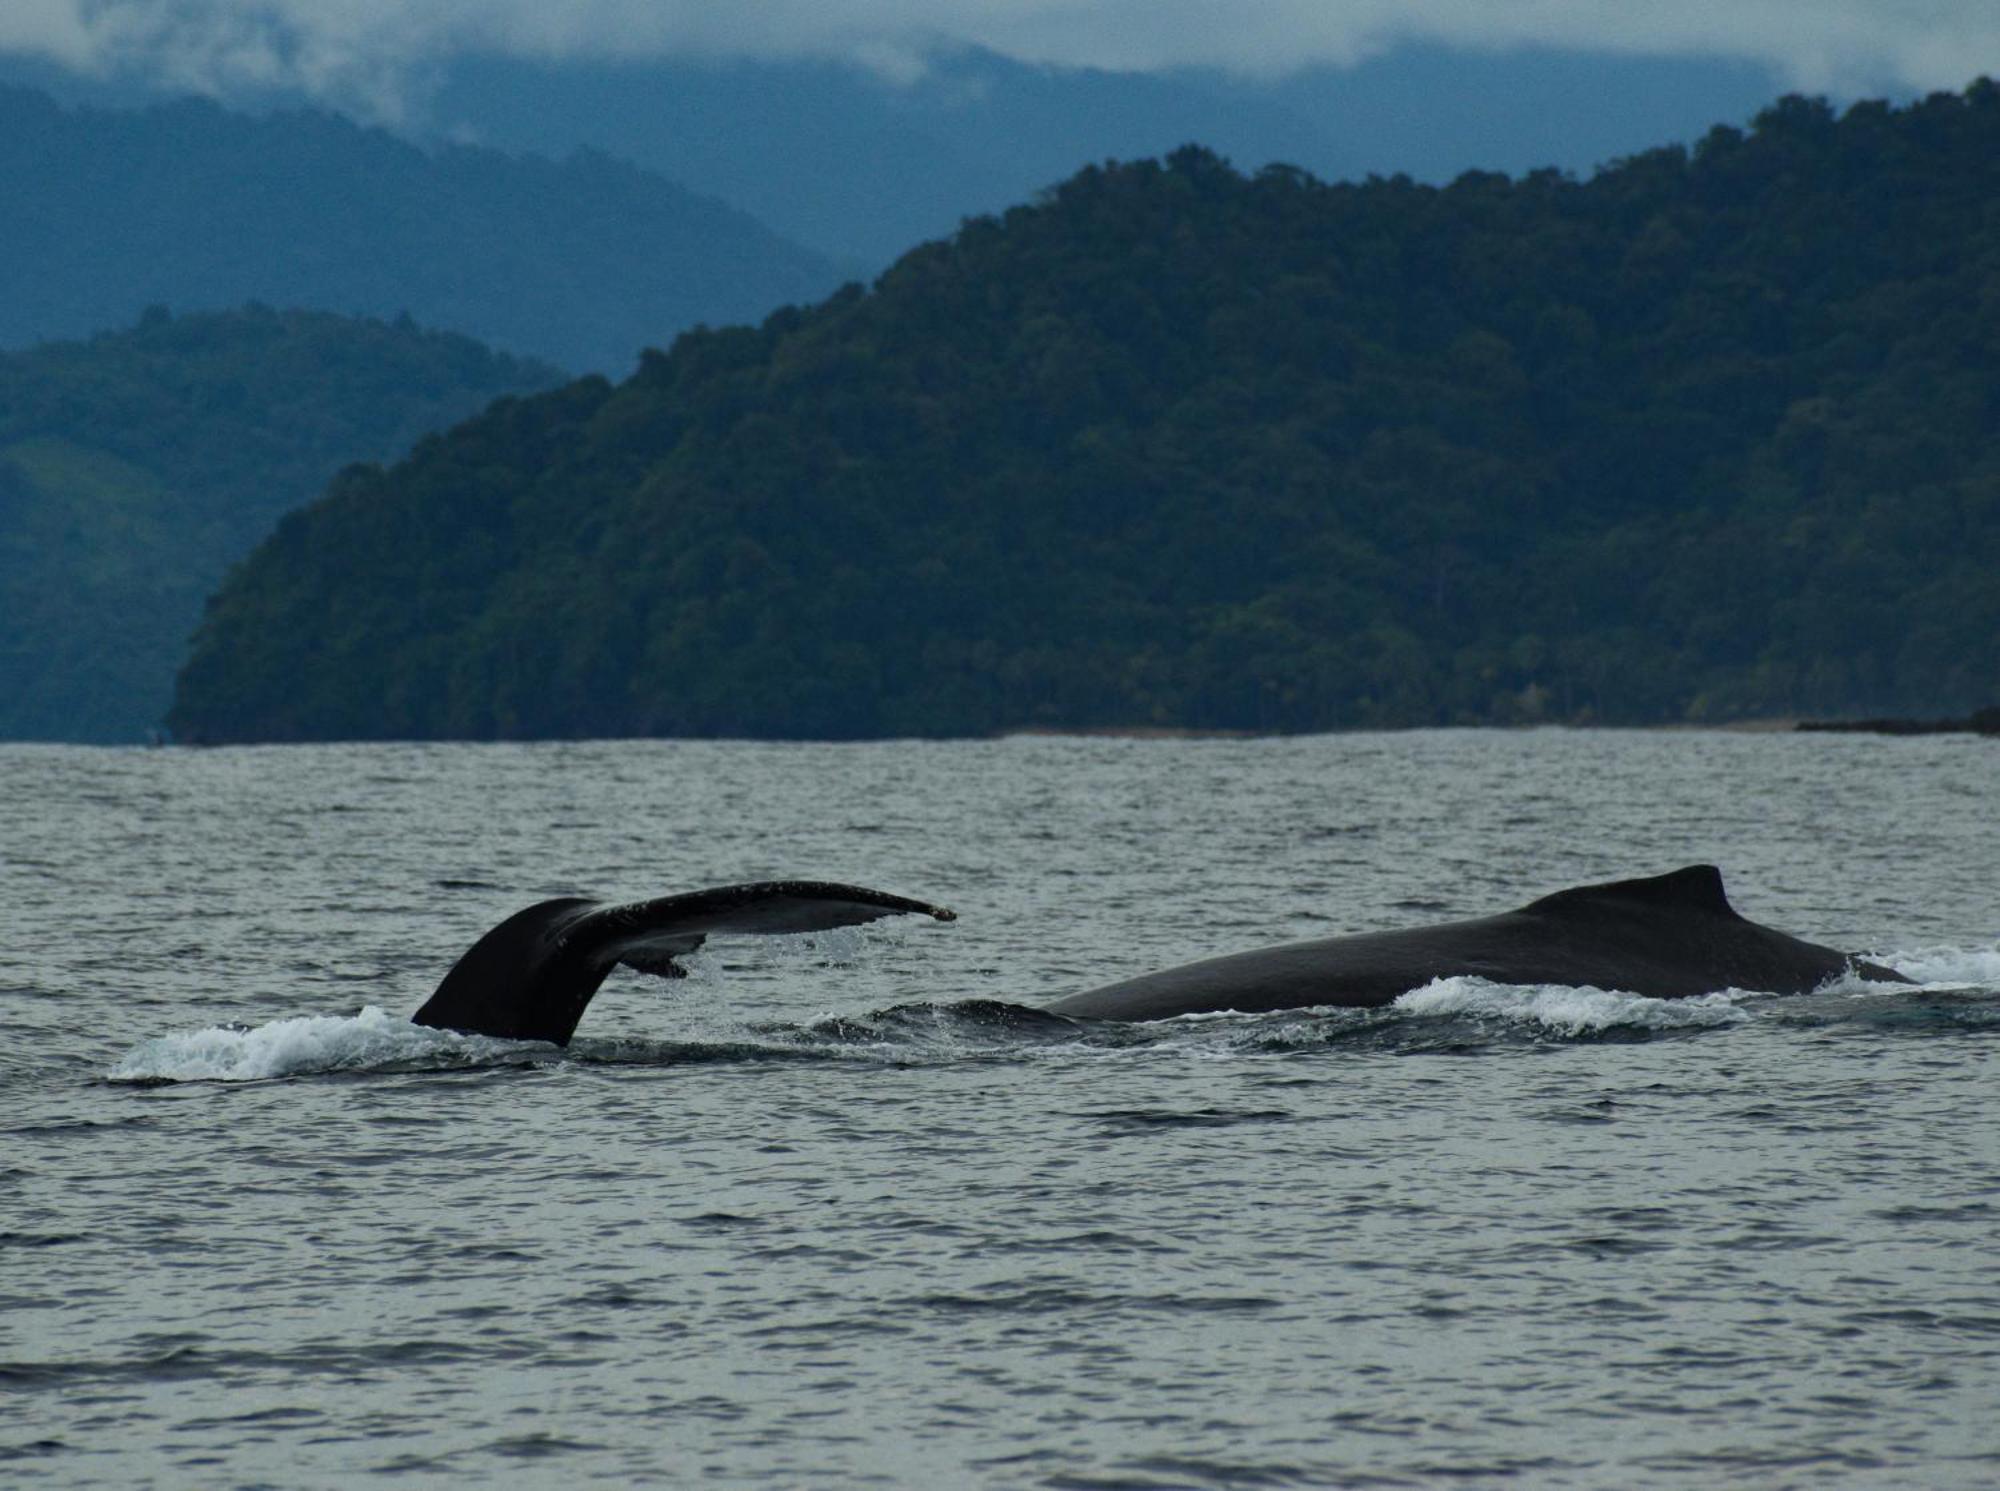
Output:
x=137 y=466
x=581 y=263
x=863 y=167
x=1707 y=435
x=866 y=168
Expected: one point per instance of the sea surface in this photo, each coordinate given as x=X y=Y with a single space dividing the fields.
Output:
x=845 y=1211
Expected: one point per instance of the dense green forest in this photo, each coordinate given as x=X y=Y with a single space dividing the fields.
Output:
x=137 y=466
x=582 y=262
x=1707 y=435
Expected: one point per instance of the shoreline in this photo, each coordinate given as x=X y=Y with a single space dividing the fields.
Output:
x=1759 y=725
x=1771 y=725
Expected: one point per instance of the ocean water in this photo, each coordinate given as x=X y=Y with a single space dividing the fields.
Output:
x=846 y=1211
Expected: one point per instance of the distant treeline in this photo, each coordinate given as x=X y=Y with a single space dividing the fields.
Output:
x=136 y=467
x=1710 y=434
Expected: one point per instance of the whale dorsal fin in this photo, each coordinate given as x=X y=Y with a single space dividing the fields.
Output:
x=531 y=977
x=1693 y=888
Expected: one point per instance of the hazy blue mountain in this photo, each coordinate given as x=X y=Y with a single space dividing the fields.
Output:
x=865 y=168
x=581 y=262
x=136 y=467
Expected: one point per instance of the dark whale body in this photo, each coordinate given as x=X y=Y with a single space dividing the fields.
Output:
x=531 y=977
x=1666 y=936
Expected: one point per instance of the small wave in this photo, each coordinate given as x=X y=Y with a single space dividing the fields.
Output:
x=309 y=1044
x=1581 y=1010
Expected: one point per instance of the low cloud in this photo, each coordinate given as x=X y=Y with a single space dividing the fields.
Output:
x=366 y=52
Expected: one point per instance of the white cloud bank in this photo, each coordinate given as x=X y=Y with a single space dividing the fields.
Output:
x=365 y=50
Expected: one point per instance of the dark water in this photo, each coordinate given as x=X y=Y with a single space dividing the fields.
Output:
x=845 y=1212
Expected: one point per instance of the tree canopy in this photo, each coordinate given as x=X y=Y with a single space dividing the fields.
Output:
x=1707 y=435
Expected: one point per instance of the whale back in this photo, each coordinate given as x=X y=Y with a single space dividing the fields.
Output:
x=1666 y=936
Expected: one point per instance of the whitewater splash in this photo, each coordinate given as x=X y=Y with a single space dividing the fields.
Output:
x=1570 y=1011
x=1977 y=967
x=1585 y=1011
x=310 y=1044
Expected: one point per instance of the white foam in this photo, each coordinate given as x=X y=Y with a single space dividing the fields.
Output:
x=290 y=1048
x=1569 y=1011
x=1979 y=966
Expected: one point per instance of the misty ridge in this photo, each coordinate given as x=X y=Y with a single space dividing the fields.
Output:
x=579 y=262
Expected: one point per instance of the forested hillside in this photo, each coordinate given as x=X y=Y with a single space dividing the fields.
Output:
x=1707 y=435
x=137 y=466
x=581 y=262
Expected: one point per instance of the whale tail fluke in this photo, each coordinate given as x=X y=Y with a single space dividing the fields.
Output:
x=532 y=977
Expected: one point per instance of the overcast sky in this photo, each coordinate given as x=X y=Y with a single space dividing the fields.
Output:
x=365 y=51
